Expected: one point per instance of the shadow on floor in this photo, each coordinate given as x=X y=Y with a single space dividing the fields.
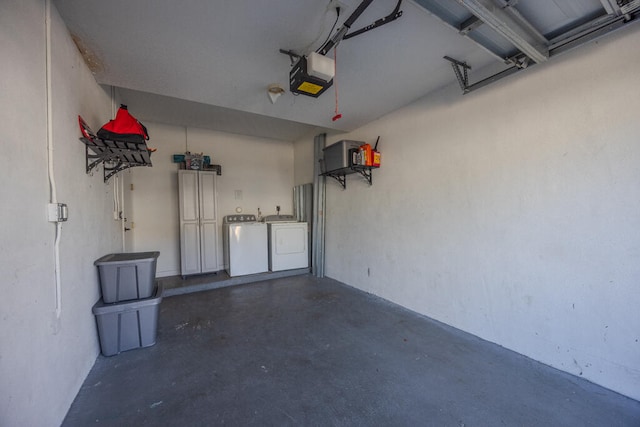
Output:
x=306 y=351
x=180 y=285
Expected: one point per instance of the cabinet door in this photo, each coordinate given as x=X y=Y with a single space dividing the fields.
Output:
x=209 y=247
x=189 y=222
x=208 y=208
x=189 y=248
x=208 y=222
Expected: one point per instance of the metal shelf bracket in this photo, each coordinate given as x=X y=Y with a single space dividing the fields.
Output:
x=116 y=155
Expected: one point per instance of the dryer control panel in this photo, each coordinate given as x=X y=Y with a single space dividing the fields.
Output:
x=280 y=218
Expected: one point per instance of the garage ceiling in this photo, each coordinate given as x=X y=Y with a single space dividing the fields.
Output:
x=208 y=63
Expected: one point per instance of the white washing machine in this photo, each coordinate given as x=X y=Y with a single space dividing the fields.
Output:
x=245 y=245
x=288 y=243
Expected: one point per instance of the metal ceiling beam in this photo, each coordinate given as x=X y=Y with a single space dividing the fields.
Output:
x=505 y=24
x=588 y=32
x=509 y=7
x=570 y=40
x=628 y=6
x=620 y=7
x=469 y=25
x=611 y=7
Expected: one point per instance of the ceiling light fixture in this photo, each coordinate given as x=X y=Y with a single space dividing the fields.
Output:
x=274 y=91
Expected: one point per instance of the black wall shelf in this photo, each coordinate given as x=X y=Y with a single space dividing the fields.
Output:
x=116 y=155
x=340 y=175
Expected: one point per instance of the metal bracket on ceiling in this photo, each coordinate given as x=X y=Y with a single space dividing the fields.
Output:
x=342 y=33
x=461 y=71
x=395 y=14
x=508 y=22
x=469 y=25
x=619 y=7
x=292 y=55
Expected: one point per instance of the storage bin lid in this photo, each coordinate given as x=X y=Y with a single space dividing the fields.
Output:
x=126 y=258
x=344 y=143
x=121 y=307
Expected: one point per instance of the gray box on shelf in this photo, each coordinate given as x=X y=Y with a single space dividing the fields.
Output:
x=128 y=325
x=337 y=156
x=127 y=276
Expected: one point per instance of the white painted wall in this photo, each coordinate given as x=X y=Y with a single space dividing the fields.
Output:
x=153 y=212
x=44 y=359
x=525 y=212
x=261 y=169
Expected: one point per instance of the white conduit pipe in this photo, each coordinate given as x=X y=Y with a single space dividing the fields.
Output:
x=121 y=216
x=52 y=180
x=116 y=197
x=116 y=201
x=118 y=185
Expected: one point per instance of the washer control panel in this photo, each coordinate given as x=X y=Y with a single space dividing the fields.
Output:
x=239 y=218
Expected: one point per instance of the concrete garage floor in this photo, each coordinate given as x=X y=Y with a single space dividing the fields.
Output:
x=306 y=351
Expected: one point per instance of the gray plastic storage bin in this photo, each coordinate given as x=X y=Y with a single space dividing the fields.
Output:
x=336 y=156
x=127 y=325
x=127 y=276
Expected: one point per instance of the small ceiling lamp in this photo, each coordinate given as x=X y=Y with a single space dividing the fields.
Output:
x=274 y=91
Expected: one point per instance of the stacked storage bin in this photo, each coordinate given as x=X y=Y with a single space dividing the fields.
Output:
x=127 y=314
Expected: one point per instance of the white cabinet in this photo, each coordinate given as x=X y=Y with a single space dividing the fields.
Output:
x=198 y=222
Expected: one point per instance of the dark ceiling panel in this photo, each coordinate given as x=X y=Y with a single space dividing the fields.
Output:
x=553 y=17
